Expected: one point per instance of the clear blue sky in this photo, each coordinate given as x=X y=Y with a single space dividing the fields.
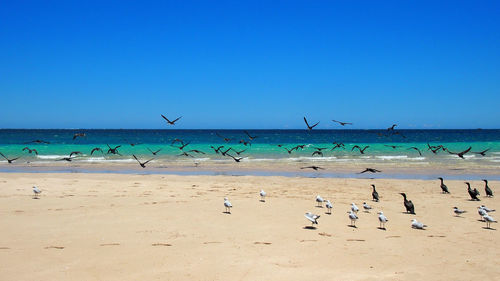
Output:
x=249 y=64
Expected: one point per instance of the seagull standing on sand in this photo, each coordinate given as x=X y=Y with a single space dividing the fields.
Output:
x=227 y=205
x=312 y=218
x=487 y=209
x=488 y=219
x=481 y=212
x=367 y=207
x=458 y=212
x=382 y=219
x=353 y=217
x=262 y=195
x=417 y=225
x=329 y=207
x=319 y=200
x=354 y=208
x=36 y=192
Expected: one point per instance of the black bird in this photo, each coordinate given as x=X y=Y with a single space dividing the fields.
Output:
x=224 y=138
x=362 y=151
x=279 y=145
x=217 y=149
x=415 y=148
x=197 y=151
x=482 y=153
x=143 y=164
x=374 y=194
x=182 y=146
x=65 y=159
x=250 y=136
x=224 y=153
x=461 y=154
x=392 y=146
x=487 y=189
x=338 y=145
x=185 y=154
x=78 y=135
x=310 y=127
x=131 y=143
x=342 y=123
x=391 y=128
x=170 y=122
x=236 y=159
x=177 y=140
x=30 y=150
x=95 y=149
x=320 y=148
x=410 y=208
x=472 y=193
x=38 y=142
x=244 y=142
x=9 y=160
x=317 y=152
x=74 y=153
x=301 y=146
x=444 y=188
x=239 y=152
x=290 y=150
x=371 y=170
x=399 y=133
x=154 y=152
x=113 y=150
x=435 y=149
x=312 y=167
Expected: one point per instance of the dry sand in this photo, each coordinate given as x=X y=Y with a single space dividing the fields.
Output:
x=158 y=227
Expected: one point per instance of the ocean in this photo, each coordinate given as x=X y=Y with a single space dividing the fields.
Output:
x=265 y=147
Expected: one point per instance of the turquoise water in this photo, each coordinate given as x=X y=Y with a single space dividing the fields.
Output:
x=264 y=147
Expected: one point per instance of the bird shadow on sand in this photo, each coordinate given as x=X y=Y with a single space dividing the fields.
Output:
x=263 y=201
x=35 y=198
x=326 y=213
x=382 y=228
x=407 y=213
x=353 y=226
x=489 y=228
x=309 y=227
x=227 y=213
x=319 y=206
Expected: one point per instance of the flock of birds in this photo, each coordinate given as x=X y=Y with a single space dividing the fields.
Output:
x=237 y=156
x=483 y=211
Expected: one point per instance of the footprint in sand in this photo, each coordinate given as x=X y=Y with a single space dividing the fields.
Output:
x=4 y=248
x=311 y=240
x=262 y=243
x=161 y=244
x=324 y=234
x=55 y=247
x=358 y=240
x=211 y=242
x=110 y=244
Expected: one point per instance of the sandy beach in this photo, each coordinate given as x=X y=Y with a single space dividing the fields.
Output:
x=168 y=227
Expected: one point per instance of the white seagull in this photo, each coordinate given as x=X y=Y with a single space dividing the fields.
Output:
x=367 y=207
x=417 y=225
x=312 y=218
x=487 y=209
x=227 y=205
x=262 y=195
x=481 y=212
x=458 y=212
x=36 y=192
x=353 y=218
x=382 y=219
x=488 y=219
x=329 y=206
x=320 y=201
x=354 y=208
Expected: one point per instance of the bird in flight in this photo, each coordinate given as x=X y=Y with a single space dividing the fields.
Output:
x=30 y=150
x=342 y=123
x=143 y=164
x=170 y=122
x=313 y=167
x=317 y=152
x=392 y=146
x=391 y=128
x=74 y=153
x=154 y=152
x=482 y=153
x=217 y=150
x=310 y=127
x=95 y=149
x=460 y=154
x=250 y=136
x=197 y=151
x=9 y=160
x=415 y=148
x=362 y=151
x=239 y=152
x=236 y=159
x=371 y=170
x=113 y=150
x=38 y=142
x=224 y=138
x=78 y=135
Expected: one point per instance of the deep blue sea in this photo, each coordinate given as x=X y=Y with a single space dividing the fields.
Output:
x=266 y=145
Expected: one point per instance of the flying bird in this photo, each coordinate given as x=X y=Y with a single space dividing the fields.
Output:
x=250 y=136
x=9 y=160
x=78 y=135
x=310 y=127
x=222 y=137
x=74 y=153
x=113 y=150
x=170 y=122
x=342 y=123
x=482 y=153
x=392 y=146
x=38 y=142
x=30 y=150
x=312 y=167
x=143 y=164
x=362 y=151
x=236 y=159
x=154 y=152
x=415 y=148
x=96 y=149
x=317 y=152
x=371 y=170
x=461 y=154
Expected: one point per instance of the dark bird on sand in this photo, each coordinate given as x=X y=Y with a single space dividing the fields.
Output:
x=460 y=154
x=362 y=151
x=342 y=123
x=312 y=167
x=444 y=188
x=473 y=193
x=78 y=135
x=487 y=189
x=30 y=150
x=9 y=160
x=154 y=152
x=410 y=208
x=143 y=164
x=170 y=122
x=371 y=170
x=310 y=127
x=374 y=194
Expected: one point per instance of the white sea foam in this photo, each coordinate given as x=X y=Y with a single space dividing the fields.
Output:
x=51 y=156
